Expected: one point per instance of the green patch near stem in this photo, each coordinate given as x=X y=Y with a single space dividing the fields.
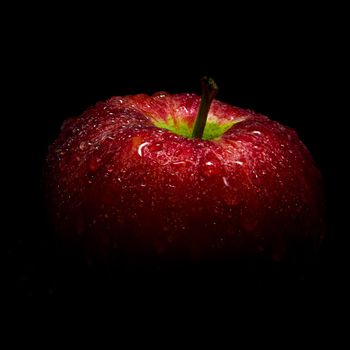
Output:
x=212 y=129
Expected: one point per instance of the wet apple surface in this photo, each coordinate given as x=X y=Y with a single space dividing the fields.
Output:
x=125 y=180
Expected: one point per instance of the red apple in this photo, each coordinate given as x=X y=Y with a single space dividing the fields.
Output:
x=129 y=179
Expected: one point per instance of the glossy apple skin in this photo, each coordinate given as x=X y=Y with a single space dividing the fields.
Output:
x=119 y=188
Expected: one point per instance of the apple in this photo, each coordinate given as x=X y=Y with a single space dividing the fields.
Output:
x=177 y=177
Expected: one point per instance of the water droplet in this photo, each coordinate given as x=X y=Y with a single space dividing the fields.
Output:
x=140 y=148
x=210 y=165
x=179 y=164
x=143 y=185
x=178 y=151
x=160 y=94
x=224 y=179
x=238 y=162
x=255 y=132
x=155 y=147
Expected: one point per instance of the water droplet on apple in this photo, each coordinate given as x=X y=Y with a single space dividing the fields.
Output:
x=226 y=183
x=178 y=151
x=155 y=147
x=140 y=148
x=181 y=110
x=210 y=165
x=160 y=94
x=180 y=164
x=238 y=162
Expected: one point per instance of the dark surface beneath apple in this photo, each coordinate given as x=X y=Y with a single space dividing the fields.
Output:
x=70 y=72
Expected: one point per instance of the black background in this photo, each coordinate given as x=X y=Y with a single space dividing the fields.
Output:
x=286 y=62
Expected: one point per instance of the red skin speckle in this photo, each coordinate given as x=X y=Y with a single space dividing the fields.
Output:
x=121 y=188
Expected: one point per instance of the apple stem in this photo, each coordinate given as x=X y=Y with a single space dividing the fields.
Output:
x=209 y=91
